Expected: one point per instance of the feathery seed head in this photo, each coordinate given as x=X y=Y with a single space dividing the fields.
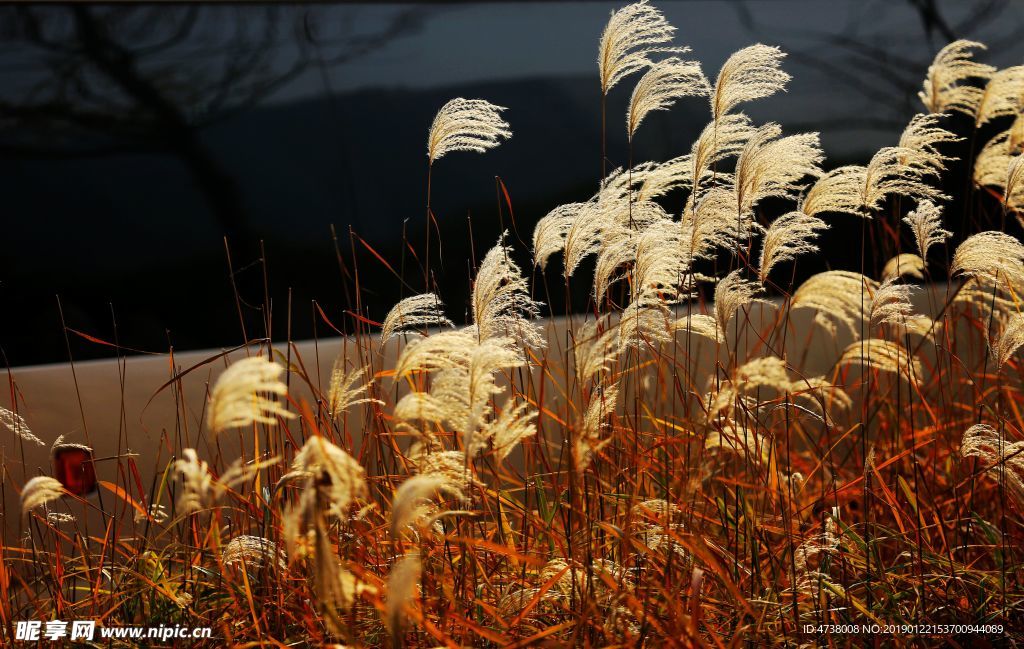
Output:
x=944 y=86
x=246 y=394
x=344 y=391
x=919 y=143
x=992 y=255
x=732 y=294
x=1010 y=340
x=466 y=125
x=926 y=224
x=197 y=482
x=905 y=264
x=751 y=73
x=884 y=356
x=789 y=236
x=15 y=423
x=837 y=296
x=332 y=471
x=633 y=34
x=1002 y=95
x=549 y=234
x=38 y=491
x=424 y=310
x=403 y=581
x=501 y=299
x=770 y=165
x=664 y=83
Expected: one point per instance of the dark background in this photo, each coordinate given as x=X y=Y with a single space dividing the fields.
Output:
x=135 y=139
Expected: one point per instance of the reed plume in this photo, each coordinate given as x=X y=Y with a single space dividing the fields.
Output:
x=1016 y=130
x=403 y=582
x=253 y=552
x=506 y=431
x=633 y=34
x=890 y=304
x=411 y=495
x=721 y=139
x=642 y=325
x=945 y=86
x=661 y=178
x=884 y=356
x=15 y=423
x=344 y=392
x=665 y=82
x=751 y=73
x=702 y=325
x=905 y=264
x=550 y=232
x=197 y=482
x=1001 y=459
x=733 y=293
x=926 y=224
x=990 y=255
x=436 y=352
x=1002 y=95
x=836 y=296
x=501 y=299
x=424 y=310
x=660 y=264
x=245 y=394
x=772 y=166
x=466 y=125
x=1009 y=341
x=589 y=440
x=712 y=223
x=993 y=162
x=839 y=190
x=594 y=349
x=328 y=468
x=920 y=143
x=788 y=237
x=1013 y=194
x=38 y=491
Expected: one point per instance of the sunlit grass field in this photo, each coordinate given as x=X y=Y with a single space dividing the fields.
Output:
x=712 y=454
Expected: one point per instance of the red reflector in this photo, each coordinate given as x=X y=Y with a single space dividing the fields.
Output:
x=73 y=467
